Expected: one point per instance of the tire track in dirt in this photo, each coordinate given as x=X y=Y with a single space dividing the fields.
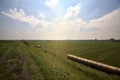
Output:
x=25 y=72
x=8 y=51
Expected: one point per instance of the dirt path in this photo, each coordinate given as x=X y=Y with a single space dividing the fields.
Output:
x=25 y=72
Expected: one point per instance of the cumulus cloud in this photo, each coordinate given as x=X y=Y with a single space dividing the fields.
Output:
x=41 y=15
x=109 y=25
x=51 y=3
x=104 y=27
x=21 y=16
x=72 y=12
x=109 y=20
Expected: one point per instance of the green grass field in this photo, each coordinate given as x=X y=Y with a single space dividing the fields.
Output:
x=23 y=60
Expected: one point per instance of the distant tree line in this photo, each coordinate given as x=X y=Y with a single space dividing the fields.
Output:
x=111 y=39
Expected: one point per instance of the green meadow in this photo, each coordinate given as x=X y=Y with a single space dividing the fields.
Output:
x=47 y=60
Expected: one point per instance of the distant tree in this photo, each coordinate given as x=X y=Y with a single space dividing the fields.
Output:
x=112 y=39
x=95 y=39
x=118 y=40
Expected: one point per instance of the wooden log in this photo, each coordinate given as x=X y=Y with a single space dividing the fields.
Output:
x=100 y=66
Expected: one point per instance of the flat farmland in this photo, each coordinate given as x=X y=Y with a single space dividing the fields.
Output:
x=47 y=60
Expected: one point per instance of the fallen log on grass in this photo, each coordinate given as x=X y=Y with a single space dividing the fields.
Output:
x=100 y=66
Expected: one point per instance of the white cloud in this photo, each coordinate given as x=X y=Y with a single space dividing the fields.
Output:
x=21 y=16
x=105 y=27
x=109 y=20
x=41 y=15
x=109 y=25
x=51 y=3
x=73 y=11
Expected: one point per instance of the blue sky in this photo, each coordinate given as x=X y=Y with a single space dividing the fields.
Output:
x=59 y=19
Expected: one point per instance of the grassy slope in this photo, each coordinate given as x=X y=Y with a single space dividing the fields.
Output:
x=50 y=62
